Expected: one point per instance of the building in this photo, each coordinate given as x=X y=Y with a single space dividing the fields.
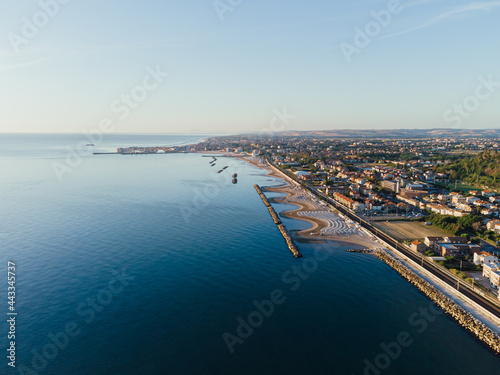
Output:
x=416 y=187
x=413 y=193
x=471 y=200
x=488 y=193
x=481 y=202
x=358 y=206
x=457 y=250
x=330 y=190
x=435 y=242
x=351 y=203
x=432 y=242
x=493 y=225
x=495 y=279
x=391 y=185
x=457 y=198
x=464 y=207
x=304 y=175
x=455 y=240
x=484 y=257
x=343 y=199
x=410 y=201
x=371 y=205
x=492 y=272
x=493 y=211
x=418 y=247
x=449 y=250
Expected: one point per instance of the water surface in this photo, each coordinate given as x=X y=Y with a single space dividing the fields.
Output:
x=196 y=252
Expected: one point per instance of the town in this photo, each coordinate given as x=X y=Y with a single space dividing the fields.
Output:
x=439 y=196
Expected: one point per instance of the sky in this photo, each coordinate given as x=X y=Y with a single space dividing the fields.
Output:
x=234 y=66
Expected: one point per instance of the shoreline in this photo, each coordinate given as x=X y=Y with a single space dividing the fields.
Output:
x=480 y=328
x=295 y=195
x=471 y=316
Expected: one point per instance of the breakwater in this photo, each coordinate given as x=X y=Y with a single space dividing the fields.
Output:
x=362 y=251
x=465 y=319
x=291 y=244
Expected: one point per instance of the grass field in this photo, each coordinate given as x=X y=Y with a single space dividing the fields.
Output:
x=464 y=152
x=460 y=186
x=464 y=187
x=409 y=230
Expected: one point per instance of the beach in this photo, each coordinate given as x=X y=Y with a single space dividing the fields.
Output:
x=321 y=216
x=327 y=223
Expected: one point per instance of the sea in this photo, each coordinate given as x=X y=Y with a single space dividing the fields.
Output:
x=157 y=264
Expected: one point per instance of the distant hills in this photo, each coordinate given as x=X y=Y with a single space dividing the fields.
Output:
x=397 y=133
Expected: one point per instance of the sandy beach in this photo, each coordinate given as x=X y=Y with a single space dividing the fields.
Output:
x=327 y=223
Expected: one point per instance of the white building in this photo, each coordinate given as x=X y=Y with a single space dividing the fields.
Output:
x=472 y=199
x=484 y=258
x=492 y=272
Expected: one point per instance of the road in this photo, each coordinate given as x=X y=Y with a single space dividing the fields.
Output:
x=489 y=247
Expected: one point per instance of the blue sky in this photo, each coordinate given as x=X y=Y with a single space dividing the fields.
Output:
x=229 y=72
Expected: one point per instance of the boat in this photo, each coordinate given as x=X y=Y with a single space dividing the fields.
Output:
x=235 y=175
x=220 y=171
x=225 y=167
x=235 y=180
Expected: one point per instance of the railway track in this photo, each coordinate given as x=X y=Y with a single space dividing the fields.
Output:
x=463 y=288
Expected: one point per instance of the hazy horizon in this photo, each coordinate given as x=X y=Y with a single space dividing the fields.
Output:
x=249 y=133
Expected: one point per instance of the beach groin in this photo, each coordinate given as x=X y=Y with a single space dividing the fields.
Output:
x=362 y=251
x=291 y=244
x=465 y=319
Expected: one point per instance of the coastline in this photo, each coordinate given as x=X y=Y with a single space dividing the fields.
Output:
x=471 y=316
x=306 y=203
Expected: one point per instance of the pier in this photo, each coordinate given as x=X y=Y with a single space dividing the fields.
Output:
x=291 y=244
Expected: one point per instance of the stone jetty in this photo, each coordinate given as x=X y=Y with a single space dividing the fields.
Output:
x=291 y=244
x=363 y=251
x=465 y=319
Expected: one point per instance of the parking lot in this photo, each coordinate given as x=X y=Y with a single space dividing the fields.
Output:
x=478 y=277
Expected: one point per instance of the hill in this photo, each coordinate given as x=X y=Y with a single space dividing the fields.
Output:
x=397 y=133
x=480 y=170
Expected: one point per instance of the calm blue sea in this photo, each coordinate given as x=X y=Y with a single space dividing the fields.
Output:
x=147 y=264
